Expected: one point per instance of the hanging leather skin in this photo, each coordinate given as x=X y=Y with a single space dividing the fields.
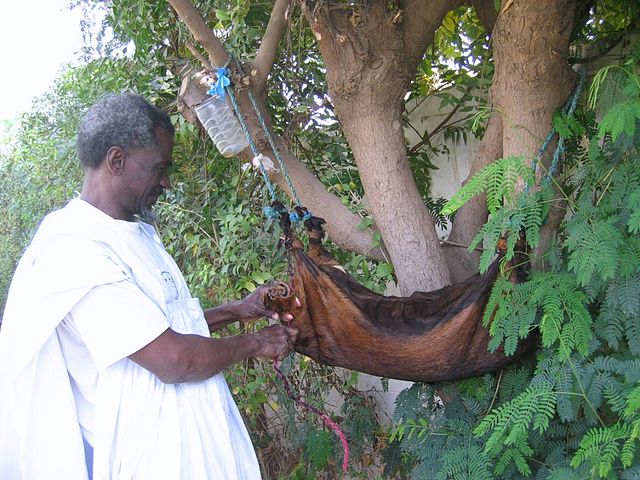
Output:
x=427 y=337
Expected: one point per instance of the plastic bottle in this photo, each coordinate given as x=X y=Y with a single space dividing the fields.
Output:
x=222 y=126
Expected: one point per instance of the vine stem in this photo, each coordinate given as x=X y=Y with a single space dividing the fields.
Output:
x=495 y=394
x=323 y=416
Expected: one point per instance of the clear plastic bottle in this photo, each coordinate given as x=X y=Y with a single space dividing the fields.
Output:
x=222 y=126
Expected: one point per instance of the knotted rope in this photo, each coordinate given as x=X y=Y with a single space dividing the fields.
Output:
x=221 y=87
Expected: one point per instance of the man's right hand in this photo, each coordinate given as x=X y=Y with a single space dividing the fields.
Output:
x=275 y=341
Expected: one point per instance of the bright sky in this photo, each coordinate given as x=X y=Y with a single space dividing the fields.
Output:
x=36 y=37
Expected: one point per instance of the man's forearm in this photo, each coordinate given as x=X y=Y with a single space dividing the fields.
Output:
x=222 y=315
x=174 y=357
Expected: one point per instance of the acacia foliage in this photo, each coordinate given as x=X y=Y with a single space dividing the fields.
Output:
x=573 y=412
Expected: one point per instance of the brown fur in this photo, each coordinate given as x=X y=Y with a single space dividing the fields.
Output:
x=427 y=337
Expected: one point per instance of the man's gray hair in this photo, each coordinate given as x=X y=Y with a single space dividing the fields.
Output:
x=126 y=120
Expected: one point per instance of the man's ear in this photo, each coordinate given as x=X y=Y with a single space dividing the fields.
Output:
x=115 y=160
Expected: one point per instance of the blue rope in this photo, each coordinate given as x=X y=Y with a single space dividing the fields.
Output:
x=222 y=82
x=222 y=86
x=569 y=108
x=569 y=111
x=276 y=152
x=272 y=144
x=221 y=72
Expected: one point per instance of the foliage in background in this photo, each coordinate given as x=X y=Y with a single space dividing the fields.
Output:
x=453 y=79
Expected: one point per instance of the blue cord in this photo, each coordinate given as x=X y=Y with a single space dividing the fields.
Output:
x=568 y=109
x=222 y=86
x=222 y=82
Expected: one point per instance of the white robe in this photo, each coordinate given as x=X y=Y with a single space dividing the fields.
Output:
x=143 y=428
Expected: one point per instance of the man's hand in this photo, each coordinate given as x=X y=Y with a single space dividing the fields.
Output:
x=252 y=306
x=275 y=341
x=249 y=308
x=175 y=357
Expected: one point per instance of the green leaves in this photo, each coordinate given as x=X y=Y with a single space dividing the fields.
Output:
x=359 y=423
x=622 y=115
x=551 y=301
x=601 y=447
x=593 y=245
x=508 y=426
x=318 y=448
x=621 y=118
x=465 y=464
x=511 y=213
x=633 y=223
x=498 y=180
x=577 y=414
x=526 y=217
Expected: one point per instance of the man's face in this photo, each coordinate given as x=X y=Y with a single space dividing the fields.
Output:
x=146 y=173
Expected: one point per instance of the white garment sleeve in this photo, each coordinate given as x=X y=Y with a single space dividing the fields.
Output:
x=116 y=320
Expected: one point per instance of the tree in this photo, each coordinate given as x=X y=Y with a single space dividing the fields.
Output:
x=371 y=52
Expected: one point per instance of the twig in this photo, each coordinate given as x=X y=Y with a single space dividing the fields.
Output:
x=201 y=32
x=454 y=244
x=201 y=58
x=493 y=400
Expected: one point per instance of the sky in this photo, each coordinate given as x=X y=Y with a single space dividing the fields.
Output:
x=36 y=38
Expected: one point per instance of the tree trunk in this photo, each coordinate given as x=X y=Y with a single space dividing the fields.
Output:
x=532 y=79
x=369 y=67
x=473 y=214
x=408 y=230
x=532 y=76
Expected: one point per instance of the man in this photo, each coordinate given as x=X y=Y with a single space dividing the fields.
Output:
x=107 y=366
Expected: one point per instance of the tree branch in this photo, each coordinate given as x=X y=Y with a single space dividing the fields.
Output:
x=473 y=214
x=427 y=136
x=420 y=21
x=342 y=223
x=486 y=13
x=201 y=32
x=269 y=46
x=201 y=58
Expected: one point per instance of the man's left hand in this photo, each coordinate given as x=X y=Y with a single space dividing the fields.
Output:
x=252 y=307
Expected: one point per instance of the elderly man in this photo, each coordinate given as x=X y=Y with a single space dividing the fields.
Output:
x=107 y=366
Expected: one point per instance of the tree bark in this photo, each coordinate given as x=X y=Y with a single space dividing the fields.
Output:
x=532 y=79
x=371 y=55
x=532 y=76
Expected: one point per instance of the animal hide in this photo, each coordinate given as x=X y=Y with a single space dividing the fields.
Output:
x=427 y=337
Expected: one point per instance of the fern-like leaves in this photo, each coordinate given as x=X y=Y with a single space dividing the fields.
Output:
x=465 y=464
x=601 y=447
x=593 y=247
x=508 y=426
x=621 y=118
x=552 y=300
x=498 y=180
